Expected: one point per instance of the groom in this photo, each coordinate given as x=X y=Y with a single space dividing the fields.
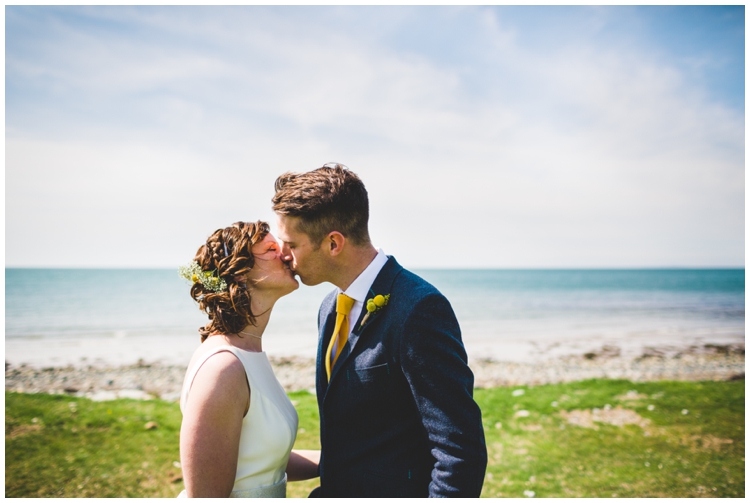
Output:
x=397 y=416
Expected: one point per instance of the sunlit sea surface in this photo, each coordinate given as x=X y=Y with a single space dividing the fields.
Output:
x=90 y=316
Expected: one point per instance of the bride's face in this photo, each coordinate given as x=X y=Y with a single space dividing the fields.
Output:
x=269 y=271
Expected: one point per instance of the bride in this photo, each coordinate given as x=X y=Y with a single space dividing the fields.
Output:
x=238 y=425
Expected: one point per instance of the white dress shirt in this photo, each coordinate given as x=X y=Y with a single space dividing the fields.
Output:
x=360 y=288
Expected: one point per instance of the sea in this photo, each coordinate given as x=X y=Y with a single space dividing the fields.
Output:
x=81 y=317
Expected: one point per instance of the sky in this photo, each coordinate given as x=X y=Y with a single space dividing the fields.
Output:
x=487 y=137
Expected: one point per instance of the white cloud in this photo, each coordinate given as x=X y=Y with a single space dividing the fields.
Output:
x=583 y=155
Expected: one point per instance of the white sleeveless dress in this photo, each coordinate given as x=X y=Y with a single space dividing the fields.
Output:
x=269 y=428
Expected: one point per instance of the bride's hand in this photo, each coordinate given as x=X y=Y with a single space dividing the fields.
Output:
x=302 y=465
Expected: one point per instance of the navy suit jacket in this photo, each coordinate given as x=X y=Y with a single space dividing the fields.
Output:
x=398 y=418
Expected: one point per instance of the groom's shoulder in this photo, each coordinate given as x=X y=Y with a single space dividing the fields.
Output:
x=415 y=294
x=415 y=285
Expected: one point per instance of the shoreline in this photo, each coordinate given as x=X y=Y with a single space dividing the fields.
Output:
x=296 y=373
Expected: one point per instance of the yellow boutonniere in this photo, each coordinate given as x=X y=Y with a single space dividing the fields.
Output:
x=375 y=304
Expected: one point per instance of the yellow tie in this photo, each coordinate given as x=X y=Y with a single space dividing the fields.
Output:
x=344 y=304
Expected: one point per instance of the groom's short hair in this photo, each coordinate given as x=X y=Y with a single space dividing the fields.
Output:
x=330 y=198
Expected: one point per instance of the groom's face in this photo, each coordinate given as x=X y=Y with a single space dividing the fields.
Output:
x=306 y=259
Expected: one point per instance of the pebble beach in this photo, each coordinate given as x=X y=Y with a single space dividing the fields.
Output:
x=149 y=381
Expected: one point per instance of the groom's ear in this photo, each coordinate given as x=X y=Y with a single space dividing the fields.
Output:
x=335 y=242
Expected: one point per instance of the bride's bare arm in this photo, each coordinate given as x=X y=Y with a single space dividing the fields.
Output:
x=211 y=427
x=302 y=465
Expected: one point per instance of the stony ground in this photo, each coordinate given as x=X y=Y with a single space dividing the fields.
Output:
x=154 y=381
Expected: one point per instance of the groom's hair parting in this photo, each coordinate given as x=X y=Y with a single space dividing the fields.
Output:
x=228 y=254
x=331 y=198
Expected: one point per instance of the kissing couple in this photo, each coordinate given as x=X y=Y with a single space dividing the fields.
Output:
x=394 y=391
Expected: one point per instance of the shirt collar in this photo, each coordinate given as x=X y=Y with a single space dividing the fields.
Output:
x=360 y=287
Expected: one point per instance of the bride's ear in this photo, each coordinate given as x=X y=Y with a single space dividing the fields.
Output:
x=335 y=242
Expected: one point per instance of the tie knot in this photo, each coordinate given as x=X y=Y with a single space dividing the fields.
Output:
x=344 y=304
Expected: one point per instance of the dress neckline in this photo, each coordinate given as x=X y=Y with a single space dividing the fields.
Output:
x=243 y=350
x=226 y=344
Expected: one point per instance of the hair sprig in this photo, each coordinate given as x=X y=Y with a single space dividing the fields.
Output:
x=209 y=279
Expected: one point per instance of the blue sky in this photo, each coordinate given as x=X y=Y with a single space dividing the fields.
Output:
x=487 y=136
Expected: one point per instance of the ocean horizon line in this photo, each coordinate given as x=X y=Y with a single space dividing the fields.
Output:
x=123 y=314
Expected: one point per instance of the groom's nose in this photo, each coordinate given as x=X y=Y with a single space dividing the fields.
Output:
x=286 y=253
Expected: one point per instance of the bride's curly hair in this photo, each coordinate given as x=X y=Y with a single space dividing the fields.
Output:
x=228 y=252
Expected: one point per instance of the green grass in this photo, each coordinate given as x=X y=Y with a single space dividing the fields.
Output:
x=700 y=453
x=57 y=446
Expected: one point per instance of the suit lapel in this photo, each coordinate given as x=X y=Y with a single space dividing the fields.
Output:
x=381 y=286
